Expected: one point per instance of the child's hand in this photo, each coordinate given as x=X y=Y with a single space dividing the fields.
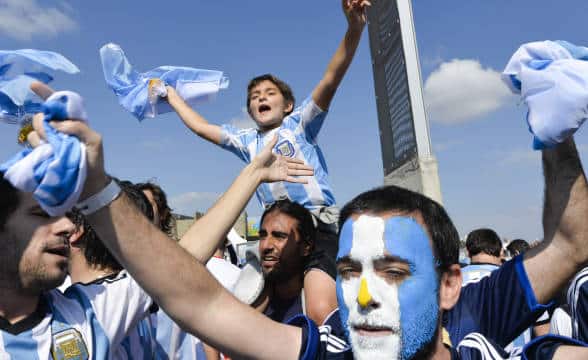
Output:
x=171 y=94
x=355 y=12
x=170 y=90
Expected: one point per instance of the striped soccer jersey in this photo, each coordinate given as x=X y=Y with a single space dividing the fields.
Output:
x=86 y=322
x=296 y=138
x=475 y=272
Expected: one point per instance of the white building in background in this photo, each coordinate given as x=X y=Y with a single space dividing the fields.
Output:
x=404 y=130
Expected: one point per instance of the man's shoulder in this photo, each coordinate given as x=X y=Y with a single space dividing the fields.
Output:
x=307 y=110
x=477 y=347
x=120 y=278
x=239 y=131
x=326 y=342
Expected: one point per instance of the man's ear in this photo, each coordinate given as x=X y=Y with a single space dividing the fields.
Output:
x=450 y=287
x=76 y=236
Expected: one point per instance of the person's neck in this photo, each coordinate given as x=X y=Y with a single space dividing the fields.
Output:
x=290 y=288
x=441 y=351
x=82 y=272
x=264 y=130
x=16 y=304
x=486 y=259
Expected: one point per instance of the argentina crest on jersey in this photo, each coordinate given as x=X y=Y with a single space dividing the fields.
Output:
x=69 y=345
x=285 y=148
x=285 y=145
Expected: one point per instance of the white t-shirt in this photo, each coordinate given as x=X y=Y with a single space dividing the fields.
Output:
x=173 y=342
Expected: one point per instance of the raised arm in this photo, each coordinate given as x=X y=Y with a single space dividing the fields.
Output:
x=565 y=246
x=204 y=235
x=194 y=121
x=356 y=18
x=179 y=284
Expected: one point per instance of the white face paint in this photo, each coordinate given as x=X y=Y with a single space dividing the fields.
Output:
x=368 y=245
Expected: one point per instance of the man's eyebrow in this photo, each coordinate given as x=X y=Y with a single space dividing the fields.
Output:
x=392 y=258
x=279 y=233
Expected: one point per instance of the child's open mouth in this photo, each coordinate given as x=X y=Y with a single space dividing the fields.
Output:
x=264 y=108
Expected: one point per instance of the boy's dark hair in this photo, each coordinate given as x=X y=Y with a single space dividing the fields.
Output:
x=517 y=247
x=305 y=227
x=282 y=86
x=165 y=214
x=95 y=252
x=392 y=198
x=483 y=241
x=9 y=202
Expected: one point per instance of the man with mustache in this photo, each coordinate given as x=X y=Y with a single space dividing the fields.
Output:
x=287 y=237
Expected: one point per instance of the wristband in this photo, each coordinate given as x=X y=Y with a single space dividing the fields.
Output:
x=100 y=199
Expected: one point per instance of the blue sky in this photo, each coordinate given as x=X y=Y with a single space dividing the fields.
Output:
x=489 y=175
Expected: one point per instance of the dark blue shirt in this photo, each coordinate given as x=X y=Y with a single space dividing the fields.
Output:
x=488 y=316
x=500 y=306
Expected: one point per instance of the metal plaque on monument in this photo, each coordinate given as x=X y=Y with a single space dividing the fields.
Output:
x=404 y=130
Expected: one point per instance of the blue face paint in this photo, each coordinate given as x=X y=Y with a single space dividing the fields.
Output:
x=345 y=244
x=419 y=293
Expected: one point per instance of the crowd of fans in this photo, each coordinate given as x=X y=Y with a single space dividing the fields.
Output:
x=378 y=279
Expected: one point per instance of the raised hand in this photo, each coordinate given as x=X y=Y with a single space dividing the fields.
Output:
x=96 y=178
x=272 y=167
x=355 y=12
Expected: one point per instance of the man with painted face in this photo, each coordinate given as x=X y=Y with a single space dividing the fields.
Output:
x=399 y=283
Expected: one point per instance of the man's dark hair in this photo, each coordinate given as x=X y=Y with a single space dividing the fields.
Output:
x=95 y=252
x=9 y=200
x=282 y=86
x=165 y=212
x=483 y=241
x=392 y=198
x=305 y=227
x=517 y=247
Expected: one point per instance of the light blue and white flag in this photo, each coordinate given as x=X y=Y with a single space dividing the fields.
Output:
x=18 y=69
x=132 y=88
x=54 y=171
x=552 y=79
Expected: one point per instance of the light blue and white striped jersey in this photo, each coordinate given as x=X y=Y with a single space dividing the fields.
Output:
x=297 y=138
x=141 y=342
x=85 y=322
x=475 y=272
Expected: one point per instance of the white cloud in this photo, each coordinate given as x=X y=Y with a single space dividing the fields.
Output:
x=461 y=90
x=243 y=121
x=23 y=19
x=189 y=203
